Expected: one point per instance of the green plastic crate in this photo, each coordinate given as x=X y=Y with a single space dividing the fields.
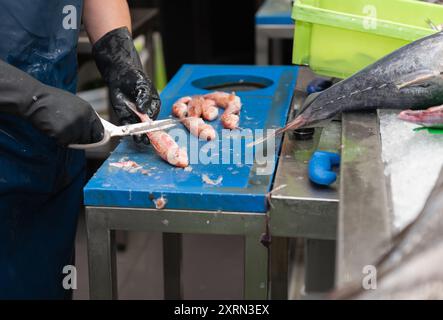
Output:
x=340 y=37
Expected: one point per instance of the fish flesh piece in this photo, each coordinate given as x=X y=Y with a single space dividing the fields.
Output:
x=411 y=268
x=168 y=149
x=209 y=181
x=230 y=118
x=160 y=203
x=198 y=106
x=224 y=99
x=430 y=118
x=164 y=144
x=195 y=106
x=130 y=166
x=232 y=105
x=197 y=127
x=190 y=109
x=180 y=108
x=210 y=110
x=194 y=124
x=408 y=78
x=230 y=121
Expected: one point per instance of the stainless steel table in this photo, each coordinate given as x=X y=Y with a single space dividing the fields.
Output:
x=303 y=210
x=298 y=210
x=355 y=212
x=364 y=228
x=102 y=223
x=357 y=228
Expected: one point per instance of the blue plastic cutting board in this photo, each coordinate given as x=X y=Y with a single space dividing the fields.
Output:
x=240 y=190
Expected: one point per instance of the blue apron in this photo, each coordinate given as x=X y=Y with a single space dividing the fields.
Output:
x=40 y=183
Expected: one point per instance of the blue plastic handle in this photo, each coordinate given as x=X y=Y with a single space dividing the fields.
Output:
x=318 y=85
x=320 y=167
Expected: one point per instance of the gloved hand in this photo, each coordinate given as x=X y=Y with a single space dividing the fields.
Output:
x=120 y=67
x=58 y=113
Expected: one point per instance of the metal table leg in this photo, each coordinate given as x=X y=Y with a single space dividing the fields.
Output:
x=263 y=35
x=277 y=52
x=101 y=256
x=279 y=268
x=172 y=266
x=320 y=265
x=100 y=220
x=364 y=226
x=261 y=47
x=256 y=269
x=121 y=239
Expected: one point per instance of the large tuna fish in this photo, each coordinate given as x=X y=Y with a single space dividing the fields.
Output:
x=409 y=78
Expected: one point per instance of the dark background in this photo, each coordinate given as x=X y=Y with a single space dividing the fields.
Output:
x=205 y=31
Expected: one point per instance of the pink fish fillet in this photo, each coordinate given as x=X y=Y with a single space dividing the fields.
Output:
x=195 y=106
x=230 y=120
x=224 y=99
x=180 y=108
x=165 y=145
x=197 y=127
x=432 y=117
x=232 y=105
x=210 y=110
x=194 y=124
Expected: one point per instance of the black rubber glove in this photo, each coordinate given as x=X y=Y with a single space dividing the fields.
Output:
x=120 y=67
x=58 y=113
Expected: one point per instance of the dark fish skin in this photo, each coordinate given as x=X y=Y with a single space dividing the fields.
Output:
x=419 y=247
x=409 y=78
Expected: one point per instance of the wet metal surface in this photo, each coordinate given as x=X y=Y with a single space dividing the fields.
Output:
x=364 y=229
x=300 y=208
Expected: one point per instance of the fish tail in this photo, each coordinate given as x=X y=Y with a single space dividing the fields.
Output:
x=294 y=124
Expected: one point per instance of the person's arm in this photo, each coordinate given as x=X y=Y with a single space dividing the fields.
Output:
x=58 y=113
x=108 y=26
x=100 y=17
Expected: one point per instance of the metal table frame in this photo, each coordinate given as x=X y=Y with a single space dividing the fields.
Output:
x=101 y=223
x=302 y=210
x=348 y=227
x=360 y=224
x=264 y=35
x=364 y=226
